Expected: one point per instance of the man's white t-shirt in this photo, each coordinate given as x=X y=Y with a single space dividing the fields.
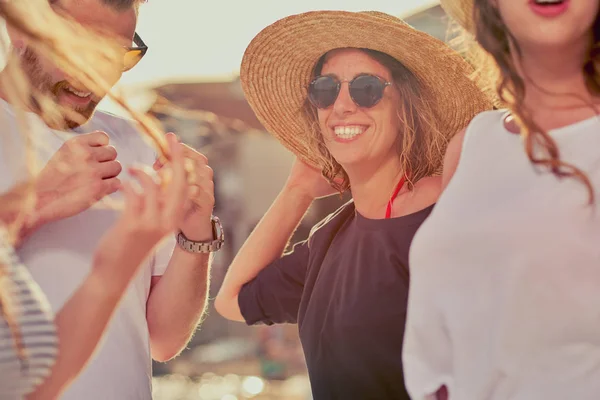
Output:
x=59 y=256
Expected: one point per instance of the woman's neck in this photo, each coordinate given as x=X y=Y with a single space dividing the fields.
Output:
x=372 y=186
x=555 y=87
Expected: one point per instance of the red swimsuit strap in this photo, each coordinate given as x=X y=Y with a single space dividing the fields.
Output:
x=388 y=212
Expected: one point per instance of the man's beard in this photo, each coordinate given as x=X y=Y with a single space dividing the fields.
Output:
x=41 y=82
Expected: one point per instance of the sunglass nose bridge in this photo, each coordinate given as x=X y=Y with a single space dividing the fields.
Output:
x=344 y=99
x=364 y=90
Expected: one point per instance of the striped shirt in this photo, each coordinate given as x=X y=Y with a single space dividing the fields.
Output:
x=33 y=318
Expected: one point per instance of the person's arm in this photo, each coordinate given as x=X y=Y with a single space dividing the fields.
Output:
x=265 y=245
x=150 y=214
x=272 y=234
x=178 y=298
x=81 y=323
x=14 y=203
x=178 y=301
x=427 y=348
x=452 y=157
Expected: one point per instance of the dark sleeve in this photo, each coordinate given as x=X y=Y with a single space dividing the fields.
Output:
x=274 y=295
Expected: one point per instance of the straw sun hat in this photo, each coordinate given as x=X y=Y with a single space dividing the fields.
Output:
x=278 y=64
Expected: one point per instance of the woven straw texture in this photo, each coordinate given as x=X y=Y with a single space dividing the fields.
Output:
x=461 y=11
x=278 y=63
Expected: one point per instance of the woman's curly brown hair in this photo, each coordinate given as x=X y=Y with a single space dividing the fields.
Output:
x=501 y=73
x=420 y=143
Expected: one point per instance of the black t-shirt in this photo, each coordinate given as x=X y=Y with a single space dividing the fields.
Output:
x=347 y=288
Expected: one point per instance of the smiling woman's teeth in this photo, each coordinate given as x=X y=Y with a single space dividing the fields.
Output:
x=348 y=132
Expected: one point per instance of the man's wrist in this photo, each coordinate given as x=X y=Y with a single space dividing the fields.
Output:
x=207 y=242
x=30 y=223
x=202 y=232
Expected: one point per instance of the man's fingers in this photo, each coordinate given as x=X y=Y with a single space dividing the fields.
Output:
x=194 y=155
x=108 y=169
x=111 y=185
x=203 y=194
x=94 y=139
x=104 y=153
x=99 y=189
x=204 y=172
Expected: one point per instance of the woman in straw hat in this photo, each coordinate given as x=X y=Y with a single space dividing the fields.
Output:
x=42 y=353
x=505 y=277
x=368 y=103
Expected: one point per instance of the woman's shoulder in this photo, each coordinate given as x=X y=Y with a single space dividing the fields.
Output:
x=424 y=194
x=481 y=123
x=428 y=191
x=429 y=185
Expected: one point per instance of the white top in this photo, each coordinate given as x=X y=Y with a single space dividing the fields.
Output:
x=59 y=256
x=34 y=322
x=504 y=299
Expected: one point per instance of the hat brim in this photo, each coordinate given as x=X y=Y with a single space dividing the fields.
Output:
x=278 y=64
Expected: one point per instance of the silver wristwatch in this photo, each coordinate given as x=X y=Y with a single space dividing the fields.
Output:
x=204 y=247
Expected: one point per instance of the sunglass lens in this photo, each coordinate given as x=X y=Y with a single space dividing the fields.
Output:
x=366 y=90
x=131 y=58
x=323 y=91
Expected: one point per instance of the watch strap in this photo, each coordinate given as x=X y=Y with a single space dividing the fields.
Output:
x=207 y=246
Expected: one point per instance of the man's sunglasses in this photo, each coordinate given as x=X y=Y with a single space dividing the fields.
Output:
x=134 y=54
x=366 y=90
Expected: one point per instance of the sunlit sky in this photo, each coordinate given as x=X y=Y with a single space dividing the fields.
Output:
x=199 y=38
x=205 y=40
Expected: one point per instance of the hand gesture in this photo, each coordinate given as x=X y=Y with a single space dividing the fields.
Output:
x=80 y=173
x=152 y=211
x=309 y=181
x=196 y=224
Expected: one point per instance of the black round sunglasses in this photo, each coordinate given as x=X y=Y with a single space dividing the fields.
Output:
x=366 y=90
